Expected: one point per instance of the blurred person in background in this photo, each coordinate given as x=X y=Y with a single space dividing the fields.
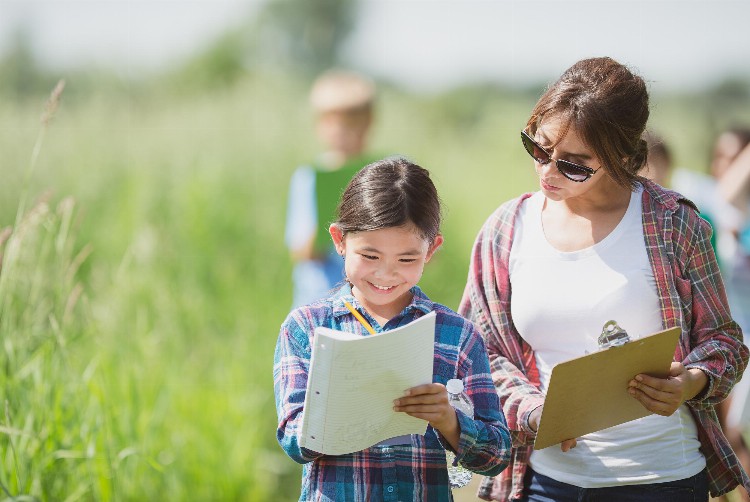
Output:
x=599 y=242
x=731 y=167
x=659 y=161
x=723 y=197
x=704 y=190
x=343 y=105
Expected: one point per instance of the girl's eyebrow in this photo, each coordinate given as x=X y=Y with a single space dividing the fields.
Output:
x=369 y=249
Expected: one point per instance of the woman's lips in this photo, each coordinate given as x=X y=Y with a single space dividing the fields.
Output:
x=547 y=186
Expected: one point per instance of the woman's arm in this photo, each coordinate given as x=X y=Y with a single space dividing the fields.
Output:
x=486 y=302
x=715 y=344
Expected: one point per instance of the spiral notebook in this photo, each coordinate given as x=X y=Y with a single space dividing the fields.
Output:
x=353 y=381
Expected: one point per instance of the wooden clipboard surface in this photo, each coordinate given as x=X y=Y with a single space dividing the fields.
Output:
x=589 y=393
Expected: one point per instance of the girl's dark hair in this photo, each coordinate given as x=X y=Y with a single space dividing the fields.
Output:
x=390 y=193
x=608 y=105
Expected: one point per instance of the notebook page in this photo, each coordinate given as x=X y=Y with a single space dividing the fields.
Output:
x=354 y=380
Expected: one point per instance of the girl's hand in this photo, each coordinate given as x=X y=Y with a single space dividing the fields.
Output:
x=664 y=395
x=536 y=417
x=430 y=402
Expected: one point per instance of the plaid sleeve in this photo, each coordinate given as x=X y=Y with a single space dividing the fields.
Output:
x=485 y=443
x=715 y=339
x=486 y=302
x=290 y=370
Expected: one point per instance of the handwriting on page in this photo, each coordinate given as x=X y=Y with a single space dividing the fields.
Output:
x=353 y=382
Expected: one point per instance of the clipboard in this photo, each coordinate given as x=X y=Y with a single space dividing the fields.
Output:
x=590 y=393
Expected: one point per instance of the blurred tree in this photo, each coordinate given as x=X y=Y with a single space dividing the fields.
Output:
x=302 y=34
x=21 y=73
x=291 y=36
x=220 y=64
x=726 y=101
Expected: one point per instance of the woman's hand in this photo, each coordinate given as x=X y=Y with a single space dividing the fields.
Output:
x=664 y=395
x=536 y=417
x=430 y=402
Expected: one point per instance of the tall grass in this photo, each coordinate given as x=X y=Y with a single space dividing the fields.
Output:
x=141 y=299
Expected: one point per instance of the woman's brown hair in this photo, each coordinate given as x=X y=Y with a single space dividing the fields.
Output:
x=608 y=105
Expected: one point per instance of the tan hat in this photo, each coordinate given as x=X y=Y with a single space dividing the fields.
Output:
x=341 y=90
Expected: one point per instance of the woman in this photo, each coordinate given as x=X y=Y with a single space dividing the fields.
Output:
x=598 y=242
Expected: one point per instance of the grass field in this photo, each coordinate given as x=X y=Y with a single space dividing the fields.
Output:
x=145 y=278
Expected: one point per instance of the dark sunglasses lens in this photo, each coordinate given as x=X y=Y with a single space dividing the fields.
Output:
x=572 y=171
x=534 y=149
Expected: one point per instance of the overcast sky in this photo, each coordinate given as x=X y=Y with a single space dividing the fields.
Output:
x=423 y=44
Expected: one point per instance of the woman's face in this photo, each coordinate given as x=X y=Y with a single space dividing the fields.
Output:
x=569 y=147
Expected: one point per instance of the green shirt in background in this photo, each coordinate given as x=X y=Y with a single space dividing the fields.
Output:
x=329 y=185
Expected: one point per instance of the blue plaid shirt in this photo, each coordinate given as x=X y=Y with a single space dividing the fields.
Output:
x=415 y=471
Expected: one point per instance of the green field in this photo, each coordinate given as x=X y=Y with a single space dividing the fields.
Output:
x=146 y=278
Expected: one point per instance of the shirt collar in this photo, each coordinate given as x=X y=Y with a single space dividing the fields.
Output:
x=419 y=301
x=668 y=198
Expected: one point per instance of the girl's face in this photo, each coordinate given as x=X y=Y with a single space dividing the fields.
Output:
x=570 y=147
x=382 y=265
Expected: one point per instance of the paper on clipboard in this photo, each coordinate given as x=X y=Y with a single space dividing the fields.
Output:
x=590 y=393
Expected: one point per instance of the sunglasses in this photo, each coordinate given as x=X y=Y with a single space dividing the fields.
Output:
x=572 y=171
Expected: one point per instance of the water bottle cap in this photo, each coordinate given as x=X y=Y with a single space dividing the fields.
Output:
x=455 y=386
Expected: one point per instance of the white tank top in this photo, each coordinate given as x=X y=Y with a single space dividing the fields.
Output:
x=560 y=301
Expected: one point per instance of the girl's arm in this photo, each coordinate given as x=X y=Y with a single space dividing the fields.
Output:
x=290 y=371
x=484 y=443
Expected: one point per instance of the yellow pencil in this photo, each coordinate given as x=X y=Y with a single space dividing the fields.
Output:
x=359 y=317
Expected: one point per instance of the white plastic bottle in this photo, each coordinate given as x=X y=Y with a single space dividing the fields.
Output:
x=458 y=475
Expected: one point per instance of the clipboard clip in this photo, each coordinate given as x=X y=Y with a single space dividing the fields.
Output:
x=612 y=335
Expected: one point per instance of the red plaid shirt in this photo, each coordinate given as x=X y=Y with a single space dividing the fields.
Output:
x=691 y=295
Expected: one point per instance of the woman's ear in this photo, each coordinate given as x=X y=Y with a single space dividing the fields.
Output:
x=436 y=243
x=337 y=235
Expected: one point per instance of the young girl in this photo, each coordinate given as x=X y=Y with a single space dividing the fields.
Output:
x=387 y=229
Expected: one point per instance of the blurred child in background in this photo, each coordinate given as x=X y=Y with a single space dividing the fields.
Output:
x=723 y=196
x=388 y=228
x=658 y=164
x=343 y=105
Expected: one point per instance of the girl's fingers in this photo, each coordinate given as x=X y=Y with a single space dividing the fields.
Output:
x=428 y=388
x=421 y=399
x=419 y=409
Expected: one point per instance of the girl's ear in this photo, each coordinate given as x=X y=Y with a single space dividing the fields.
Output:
x=434 y=247
x=337 y=235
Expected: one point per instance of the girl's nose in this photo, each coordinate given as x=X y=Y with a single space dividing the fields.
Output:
x=386 y=270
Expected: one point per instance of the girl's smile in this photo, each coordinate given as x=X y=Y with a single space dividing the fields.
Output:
x=383 y=265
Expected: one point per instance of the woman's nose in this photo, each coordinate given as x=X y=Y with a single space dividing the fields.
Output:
x=546 y=169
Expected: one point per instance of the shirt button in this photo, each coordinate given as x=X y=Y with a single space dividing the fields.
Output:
x=390 y=489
